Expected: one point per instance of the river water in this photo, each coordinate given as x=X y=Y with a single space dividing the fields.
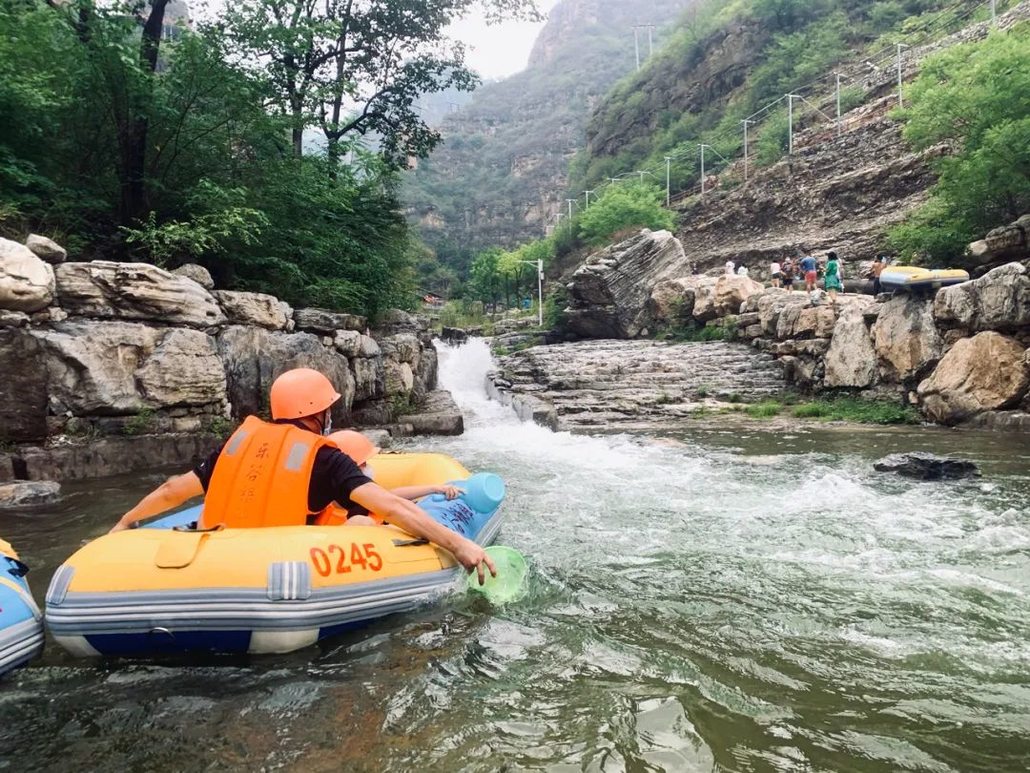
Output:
x=740 y=600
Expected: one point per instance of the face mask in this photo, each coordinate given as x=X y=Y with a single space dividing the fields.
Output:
x=328 y=428
x=369 y=472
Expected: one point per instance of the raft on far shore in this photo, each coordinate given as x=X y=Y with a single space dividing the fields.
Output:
x=915 y=278
x=170 y=588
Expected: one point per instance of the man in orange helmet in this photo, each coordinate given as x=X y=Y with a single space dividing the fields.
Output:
x=280 y=473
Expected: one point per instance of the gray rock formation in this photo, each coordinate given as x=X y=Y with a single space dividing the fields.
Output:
x=23 y=387
x=257 y=309
x=987 y=372
x=609 y=294
x=437 y=415
x=622 y=384
x=26 y=282
x=327 y=322
x=927 y=467
x=254 y=357
x=999 y=300
x=907 y=341
x=135 y=291
x=197 y=273
x=46 y=249
x=28 y=493
x=851 y=358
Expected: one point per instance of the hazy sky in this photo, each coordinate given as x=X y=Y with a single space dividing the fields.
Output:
x=501 y=49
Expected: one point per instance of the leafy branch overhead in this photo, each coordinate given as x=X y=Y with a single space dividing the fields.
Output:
x=356 y=69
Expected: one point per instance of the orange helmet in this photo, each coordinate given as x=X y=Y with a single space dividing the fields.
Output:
x=355 y=445
x=301 y=392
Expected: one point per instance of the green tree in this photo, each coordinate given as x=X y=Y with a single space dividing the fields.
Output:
x=355 y=69
x=485 y=279
x=621 y=206
x=974 y=98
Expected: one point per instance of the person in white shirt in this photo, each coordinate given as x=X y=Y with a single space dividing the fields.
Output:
x=742 y=271
x=774 y=272
x=730 y=266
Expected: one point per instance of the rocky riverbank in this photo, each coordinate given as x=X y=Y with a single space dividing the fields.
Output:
x=114 y=367
x=959 y=355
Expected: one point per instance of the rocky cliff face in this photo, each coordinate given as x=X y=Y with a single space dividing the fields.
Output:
x=959 y=354
x=500 y=174
x=99 y=354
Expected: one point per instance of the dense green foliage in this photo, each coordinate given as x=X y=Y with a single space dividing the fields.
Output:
x=974 y=97
x=683 y=97
x=125 y=142
x=627 y=205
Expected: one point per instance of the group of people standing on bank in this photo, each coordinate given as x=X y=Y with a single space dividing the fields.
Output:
x=804 y=268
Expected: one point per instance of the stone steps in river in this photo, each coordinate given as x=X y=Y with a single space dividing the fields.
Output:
x=595 y=383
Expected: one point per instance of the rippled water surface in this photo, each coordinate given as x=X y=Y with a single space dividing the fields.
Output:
x=742 y=600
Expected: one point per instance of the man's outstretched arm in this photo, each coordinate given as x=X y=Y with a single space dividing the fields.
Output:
x=170 y=494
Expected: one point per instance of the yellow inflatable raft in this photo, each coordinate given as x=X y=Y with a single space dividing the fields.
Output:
x=168 y=587
x=915 y=278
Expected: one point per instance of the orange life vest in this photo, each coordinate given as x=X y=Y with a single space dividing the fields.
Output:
x=262 y=477
x=334 y=515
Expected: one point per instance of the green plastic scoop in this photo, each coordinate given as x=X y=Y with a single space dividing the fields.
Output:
x=510 y=582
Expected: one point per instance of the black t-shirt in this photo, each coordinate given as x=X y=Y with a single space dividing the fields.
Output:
x=334 y=476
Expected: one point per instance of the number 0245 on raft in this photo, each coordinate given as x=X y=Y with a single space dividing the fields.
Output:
x=164 y=588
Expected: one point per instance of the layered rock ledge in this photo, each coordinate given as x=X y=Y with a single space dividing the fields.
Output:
x=958 y=353
x=116 y=367
x=629 y=384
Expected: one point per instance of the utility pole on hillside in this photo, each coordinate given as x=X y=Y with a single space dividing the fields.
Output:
x=570 y=202
x=702 y=146
x=838 y=103
x=790 y=123
x=650 y=40
x=668 y=181
x=901 y=99
x=587 y=194
x=746 y=121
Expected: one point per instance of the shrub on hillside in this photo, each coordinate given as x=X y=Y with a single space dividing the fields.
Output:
x=625 y=205
x=973 y=97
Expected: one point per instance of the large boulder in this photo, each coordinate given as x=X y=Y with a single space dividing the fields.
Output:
x=183 y=370
x=25 y=493
x=403 y=347
x=437 y=415
x=369 y=378
x=851 y=360
x=732 y=291
x=922 y=466
x=984 y=373
x=770 y=306
x=135 y=291
x=46 y=249
x=799 y=320
x=704 y=299
x=91 y=366
x=999 y=300
x=609 y=295
x=122 y=368
x=905 y=337
x=672 y=300
x=254 y=357
x=400 y=378
x=259 y=309
x=23 y=387
x=327 y=322
x=26 y=282
x=197 y=273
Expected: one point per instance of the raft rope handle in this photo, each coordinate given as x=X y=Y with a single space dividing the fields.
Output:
x=192 y=528
x=407 y=543
x=19 y=568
